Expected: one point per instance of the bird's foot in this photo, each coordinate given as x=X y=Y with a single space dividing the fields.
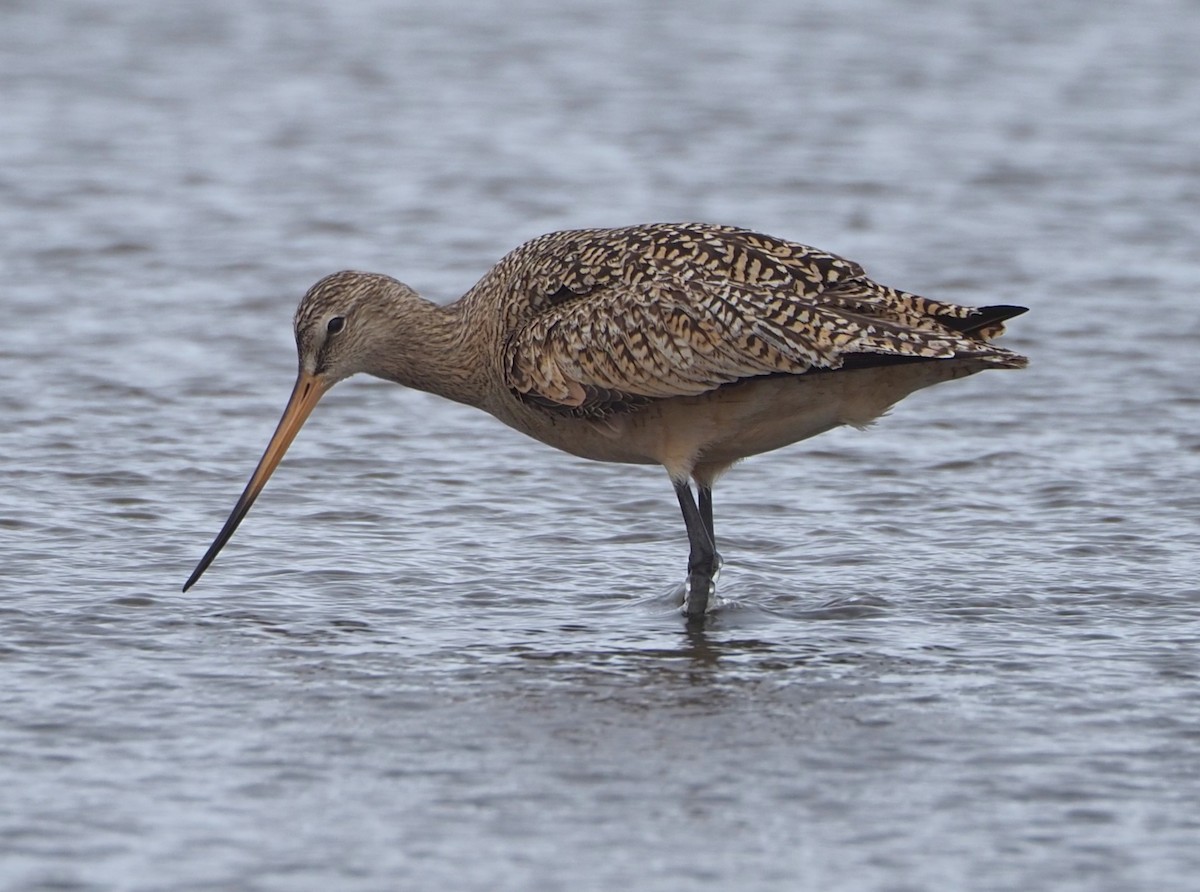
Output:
x=700 y=587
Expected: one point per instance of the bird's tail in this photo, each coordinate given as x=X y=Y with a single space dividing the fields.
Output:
x=986 y=323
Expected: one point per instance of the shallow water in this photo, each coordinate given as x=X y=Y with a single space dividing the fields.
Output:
x=959 y=651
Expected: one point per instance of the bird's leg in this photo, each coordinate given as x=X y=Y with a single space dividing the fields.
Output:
x=702 y=559
x=706 y=515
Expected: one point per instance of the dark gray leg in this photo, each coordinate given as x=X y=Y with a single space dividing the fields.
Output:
x=702 y=560
x=706 y=515
x=706 y=512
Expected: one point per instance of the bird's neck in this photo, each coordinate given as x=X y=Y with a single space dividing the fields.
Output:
x=442 y=350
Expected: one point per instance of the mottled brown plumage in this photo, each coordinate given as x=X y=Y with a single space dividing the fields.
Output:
x=603 y=317
x=686 y=345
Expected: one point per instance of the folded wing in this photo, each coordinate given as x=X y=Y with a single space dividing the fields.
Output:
x=617 y=318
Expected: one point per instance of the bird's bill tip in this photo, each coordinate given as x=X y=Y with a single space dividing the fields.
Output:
x=305 y=395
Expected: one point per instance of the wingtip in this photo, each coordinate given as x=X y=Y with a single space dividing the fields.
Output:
x=1001 y=312
x=987 y=322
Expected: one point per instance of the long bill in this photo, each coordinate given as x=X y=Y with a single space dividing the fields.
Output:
x=307 y=393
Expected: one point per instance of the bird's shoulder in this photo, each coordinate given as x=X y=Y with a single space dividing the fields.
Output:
x=692 y=258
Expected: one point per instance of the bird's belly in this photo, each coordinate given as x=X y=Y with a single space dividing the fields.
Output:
x=762 y=415
x=717 y=428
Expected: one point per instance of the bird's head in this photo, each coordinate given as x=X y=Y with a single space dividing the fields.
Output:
x=345 y=324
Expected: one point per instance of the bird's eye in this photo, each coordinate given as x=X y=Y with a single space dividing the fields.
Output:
x=336 y=324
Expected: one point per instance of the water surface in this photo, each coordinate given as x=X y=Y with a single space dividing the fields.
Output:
x=959 y=650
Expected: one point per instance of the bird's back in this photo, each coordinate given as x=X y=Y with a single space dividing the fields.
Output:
x=600 y=321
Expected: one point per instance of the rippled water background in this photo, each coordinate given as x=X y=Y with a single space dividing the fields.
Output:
x=962 y=649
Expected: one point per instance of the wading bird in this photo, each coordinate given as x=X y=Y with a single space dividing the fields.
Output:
x=688 y=345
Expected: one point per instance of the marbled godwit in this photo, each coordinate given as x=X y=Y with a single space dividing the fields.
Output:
x=685 y=345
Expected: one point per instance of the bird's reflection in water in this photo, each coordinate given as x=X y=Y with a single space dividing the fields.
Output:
x=704 y=656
